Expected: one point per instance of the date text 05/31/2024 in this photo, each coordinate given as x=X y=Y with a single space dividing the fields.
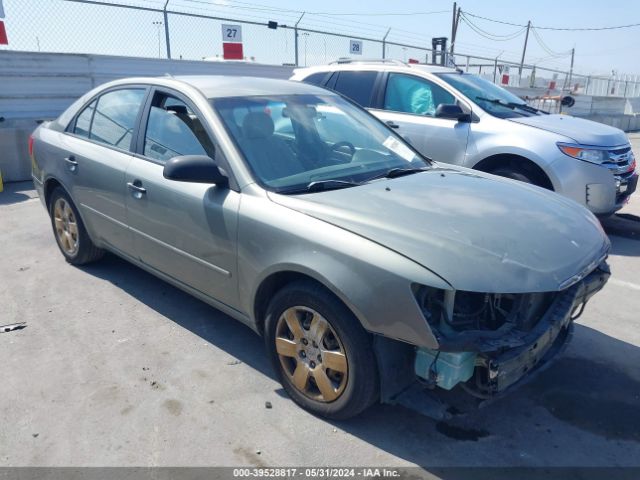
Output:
x=322 y=472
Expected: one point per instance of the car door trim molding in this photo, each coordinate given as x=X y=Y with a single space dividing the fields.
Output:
x=93 y=210
x=213 y=267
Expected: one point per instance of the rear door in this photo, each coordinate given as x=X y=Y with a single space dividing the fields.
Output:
x=182 y=229
x=96 y=154
x=408 y=104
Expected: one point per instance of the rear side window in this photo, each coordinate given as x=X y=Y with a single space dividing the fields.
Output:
x=358 y=86
x=315 y=78
x=115 y=117
x=83 y=122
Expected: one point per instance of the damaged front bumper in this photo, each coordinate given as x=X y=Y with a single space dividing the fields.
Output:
x=488 y=363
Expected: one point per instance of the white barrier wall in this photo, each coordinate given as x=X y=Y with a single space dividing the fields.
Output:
x=39 y=86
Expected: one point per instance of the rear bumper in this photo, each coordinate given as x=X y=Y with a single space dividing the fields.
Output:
x=39 y=186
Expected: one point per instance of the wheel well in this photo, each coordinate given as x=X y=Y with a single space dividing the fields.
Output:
x=517 y=163
x=49 y=186
x=270 y=286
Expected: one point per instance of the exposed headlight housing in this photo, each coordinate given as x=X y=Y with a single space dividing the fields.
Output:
x=586 y=153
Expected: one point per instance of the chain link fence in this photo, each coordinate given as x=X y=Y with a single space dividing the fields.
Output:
x=179 y=30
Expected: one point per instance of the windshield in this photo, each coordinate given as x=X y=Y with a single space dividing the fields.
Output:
x=490 y=97
x=292 y=141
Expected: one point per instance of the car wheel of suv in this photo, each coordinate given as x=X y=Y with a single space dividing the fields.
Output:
x=70 y=233
x=514 y=175
x=321 y=353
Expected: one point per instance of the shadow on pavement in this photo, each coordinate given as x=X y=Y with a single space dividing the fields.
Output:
x=583 y=395
x=623 y=225
x=17 y=192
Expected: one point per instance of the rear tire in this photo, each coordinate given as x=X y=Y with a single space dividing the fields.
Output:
x=69 y=231
x=332 y=373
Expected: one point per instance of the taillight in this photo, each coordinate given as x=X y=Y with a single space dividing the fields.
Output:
x=31 y=145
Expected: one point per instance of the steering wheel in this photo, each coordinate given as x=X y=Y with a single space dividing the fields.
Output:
x=336 y=146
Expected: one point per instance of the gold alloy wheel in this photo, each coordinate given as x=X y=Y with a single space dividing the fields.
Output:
x=311 y=354
x=66 y=226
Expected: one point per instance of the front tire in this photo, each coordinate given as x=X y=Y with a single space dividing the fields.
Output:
x=320 y=352
x=69 y=231
x=514 y=174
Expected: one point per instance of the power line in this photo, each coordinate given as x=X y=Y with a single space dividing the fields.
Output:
x=544 y=46
x=489 y=35
x=567 y=29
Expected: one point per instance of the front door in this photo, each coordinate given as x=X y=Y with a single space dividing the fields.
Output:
x=185 y=230
x=409 y=106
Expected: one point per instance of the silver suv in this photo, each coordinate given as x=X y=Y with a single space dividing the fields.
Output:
x=463 y=119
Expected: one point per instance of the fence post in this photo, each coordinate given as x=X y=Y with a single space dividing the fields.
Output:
x=295 y=30
x=586 y=87
x=167 y=41
x=384 y=44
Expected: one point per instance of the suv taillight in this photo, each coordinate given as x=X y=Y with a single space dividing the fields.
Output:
x=31 y=145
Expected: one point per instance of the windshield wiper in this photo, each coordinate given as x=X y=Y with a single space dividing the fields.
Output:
x=321 y=185
x=397 y=172
x=511 y=105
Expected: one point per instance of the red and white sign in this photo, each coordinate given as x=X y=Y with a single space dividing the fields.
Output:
x=3 y=34
x=232 y=51
x=232 y=42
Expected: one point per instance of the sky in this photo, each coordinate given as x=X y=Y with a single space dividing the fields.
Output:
x=59 y=25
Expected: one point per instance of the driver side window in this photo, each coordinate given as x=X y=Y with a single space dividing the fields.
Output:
x=174 y=129
x=409 y=94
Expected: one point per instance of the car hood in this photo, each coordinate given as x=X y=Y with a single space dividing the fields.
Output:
x=478 y=232
x=581 y=131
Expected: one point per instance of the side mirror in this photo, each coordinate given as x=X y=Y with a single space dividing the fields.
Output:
x=452 y=111
x=196 y=169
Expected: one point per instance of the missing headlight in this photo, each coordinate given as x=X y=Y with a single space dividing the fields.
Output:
x=452 y=312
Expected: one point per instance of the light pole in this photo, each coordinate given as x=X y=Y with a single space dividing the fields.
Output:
x=159 y=26
x=305 y=35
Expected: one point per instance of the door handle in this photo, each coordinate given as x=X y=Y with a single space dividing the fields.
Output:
x=71 y=163
x=137 y=188
x=392 y=124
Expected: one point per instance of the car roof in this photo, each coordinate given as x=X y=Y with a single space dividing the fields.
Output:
x=219 y=86
x=376 y=65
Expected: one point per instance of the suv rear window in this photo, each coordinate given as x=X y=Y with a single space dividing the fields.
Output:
x=316 y=78
x=358 y=86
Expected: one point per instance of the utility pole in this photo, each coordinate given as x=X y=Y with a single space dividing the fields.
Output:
x=295 y=37
x=158 y=24
x=524 y=50
x=305 y=35
x=573 y=52
x=384 y=44
x=166 y=29
x=454 y=25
